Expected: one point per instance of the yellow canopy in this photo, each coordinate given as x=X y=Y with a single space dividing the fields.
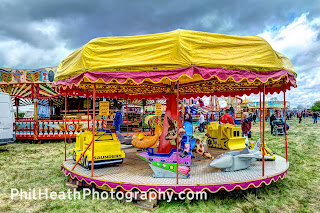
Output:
x=171 y=50
x=191 y=57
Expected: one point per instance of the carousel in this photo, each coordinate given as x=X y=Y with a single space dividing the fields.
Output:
x=172 y=66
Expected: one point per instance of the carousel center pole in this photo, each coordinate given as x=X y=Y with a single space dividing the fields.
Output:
x=65 y=126
x=93 y=127
x=285 y=122
x=263 y=131
x=177 y=140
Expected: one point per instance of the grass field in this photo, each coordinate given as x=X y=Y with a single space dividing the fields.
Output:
x=24 y=166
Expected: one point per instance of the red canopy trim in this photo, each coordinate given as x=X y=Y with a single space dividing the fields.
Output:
x=174 y=75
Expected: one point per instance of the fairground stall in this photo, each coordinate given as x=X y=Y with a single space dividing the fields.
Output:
x=272 y=107
x=44 y=116
x=31 y=87
x=172 y=66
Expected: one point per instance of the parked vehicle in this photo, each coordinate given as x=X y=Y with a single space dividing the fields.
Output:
x=7 y=120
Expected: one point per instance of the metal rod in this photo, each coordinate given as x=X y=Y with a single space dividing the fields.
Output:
x=177 y=140
x=65 y=126
x=35 y=125
x=88 y=113
x=17 y=107
x=264 y=117
x=260 y=117
x=127 y=117
x=81 y=156
x=285 y=121
x=93 y=127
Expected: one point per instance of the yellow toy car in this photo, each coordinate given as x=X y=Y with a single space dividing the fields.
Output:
x=107 y=149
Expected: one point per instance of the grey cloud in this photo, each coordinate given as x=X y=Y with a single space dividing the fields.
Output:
x=83 y=20
x=78 y=21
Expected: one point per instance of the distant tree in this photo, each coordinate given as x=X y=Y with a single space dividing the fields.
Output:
x=273 y=99
x=316 y=107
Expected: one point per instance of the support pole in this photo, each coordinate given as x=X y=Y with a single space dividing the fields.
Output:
x=285 y=121
x=143 y=111
x=263 y=129
x=127 y=117
x=51 y=106
x=260 y=117
x=177 y=140
x=65 y=126
x=88 y=113
x=35 y=114
x=17 y=107
x=93 y=127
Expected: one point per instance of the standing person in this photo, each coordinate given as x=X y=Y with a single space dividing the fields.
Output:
x=254 y=117
x=227 y=118
x=231 y=111
x=117 y=120
x=315 y=117
x=300 y=116
x=272 y=118
x=201 y=103
x=201 y=121
x=245 y=124
x=188 y=117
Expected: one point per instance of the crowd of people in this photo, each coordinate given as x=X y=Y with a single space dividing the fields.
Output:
x=249 y=119
x=304 y=114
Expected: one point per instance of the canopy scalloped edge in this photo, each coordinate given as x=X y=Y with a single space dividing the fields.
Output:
x=183 y=75
x=160 y=96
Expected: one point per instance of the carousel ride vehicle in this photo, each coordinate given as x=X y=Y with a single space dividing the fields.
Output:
x=233 y=161
x=172 y=66
x=108 y=149
x=225 y=136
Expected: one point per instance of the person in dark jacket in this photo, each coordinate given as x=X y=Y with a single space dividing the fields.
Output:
x=272 y=118
x=188 y=117
x=117 y=120
x=254 y=117
x=245 y=124
x=315 y=117
x=300 y=116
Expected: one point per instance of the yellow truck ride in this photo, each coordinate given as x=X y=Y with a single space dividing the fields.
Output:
x=224 y=136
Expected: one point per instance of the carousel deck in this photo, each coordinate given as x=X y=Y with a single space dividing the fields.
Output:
x=136 y=173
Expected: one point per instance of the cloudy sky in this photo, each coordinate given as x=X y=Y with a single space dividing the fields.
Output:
x=41 y=33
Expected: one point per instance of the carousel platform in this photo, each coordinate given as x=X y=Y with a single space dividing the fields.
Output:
x=135 y=173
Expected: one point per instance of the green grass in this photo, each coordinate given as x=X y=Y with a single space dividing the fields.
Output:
x=24 y=166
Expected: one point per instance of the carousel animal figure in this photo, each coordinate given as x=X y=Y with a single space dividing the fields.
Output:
x=199 y=148
x=234 y=161
x=164 y=165
x=187 y=143
x=141 y=141
x=184 y=139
